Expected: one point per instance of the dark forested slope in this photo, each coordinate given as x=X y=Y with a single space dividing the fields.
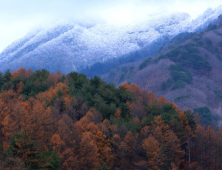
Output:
x=187 y=71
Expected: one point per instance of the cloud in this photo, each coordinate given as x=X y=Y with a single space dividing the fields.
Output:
x=17 y=17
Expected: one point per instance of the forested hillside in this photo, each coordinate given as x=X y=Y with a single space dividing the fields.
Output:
x=56 y=121
x=187 y=71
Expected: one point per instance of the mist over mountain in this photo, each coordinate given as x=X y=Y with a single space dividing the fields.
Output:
x=71 y=46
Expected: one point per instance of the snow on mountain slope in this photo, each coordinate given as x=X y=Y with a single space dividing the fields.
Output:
x=70 y=46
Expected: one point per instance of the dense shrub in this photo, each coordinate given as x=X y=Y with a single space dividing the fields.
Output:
x=144 y=63
x=187 y=56
x=205 y=114
x=218 y=94
x=166 y=84
x=179 y=73
x=179 y=85
x=182 y=97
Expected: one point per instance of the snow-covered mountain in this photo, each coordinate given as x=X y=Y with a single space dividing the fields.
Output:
x=70 y=46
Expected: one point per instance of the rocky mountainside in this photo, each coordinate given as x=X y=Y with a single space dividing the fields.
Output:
x=187 y=71
x=71 y=46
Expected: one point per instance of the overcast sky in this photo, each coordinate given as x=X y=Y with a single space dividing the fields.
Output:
x=18 y=17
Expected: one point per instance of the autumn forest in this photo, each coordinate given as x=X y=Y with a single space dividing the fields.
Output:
x=57 y=121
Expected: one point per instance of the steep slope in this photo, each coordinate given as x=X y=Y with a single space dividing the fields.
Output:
x=72 y=46
x=187 y=71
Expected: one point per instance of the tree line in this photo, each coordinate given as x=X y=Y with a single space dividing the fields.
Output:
x=57 y=121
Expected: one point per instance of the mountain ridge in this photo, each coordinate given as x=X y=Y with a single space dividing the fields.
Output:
x=77 y=46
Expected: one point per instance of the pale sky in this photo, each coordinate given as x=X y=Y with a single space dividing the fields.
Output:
x=18 y=17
